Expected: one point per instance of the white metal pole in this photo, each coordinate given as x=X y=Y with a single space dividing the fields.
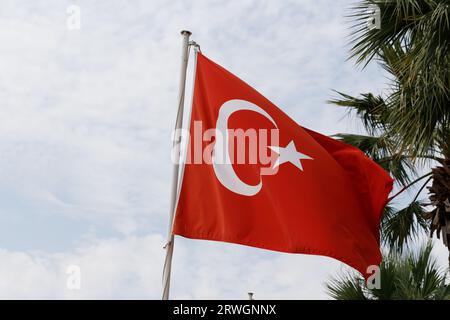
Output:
x=176 y=166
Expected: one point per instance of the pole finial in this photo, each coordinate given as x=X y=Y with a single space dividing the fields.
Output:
x=186 y=32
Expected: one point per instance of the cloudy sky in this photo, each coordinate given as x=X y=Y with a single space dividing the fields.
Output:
x=85 y=121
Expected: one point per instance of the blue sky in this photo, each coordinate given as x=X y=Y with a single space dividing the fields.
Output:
x=85 y=123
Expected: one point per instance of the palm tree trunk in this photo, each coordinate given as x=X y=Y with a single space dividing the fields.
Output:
x=440 y=198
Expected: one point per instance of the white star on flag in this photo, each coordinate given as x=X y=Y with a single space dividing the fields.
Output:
x=289 y=154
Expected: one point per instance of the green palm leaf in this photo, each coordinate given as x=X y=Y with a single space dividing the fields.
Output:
x=413 y=45
x=409 y=276
x=398 y=228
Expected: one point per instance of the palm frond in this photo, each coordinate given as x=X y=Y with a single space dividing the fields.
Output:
x=347 y=287
x=399 y=22
x=412 y=275
x=420 y=278
x=413 y=45
x=388 y=275
x=399 y=228
x=371 y=109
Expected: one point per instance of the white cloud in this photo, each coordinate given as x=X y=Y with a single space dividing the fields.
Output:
x=86 y=115
x=109 y=269
x=130 y=268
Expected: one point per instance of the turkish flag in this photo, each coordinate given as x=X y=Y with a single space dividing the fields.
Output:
x=298 y=192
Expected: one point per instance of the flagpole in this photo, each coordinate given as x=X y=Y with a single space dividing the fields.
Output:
x=175 y=171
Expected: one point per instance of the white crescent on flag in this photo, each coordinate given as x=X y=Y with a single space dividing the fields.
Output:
x=222 y=164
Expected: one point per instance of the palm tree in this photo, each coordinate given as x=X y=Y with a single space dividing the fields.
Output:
x=410 y=276
x=410 y=124
x=407 y=126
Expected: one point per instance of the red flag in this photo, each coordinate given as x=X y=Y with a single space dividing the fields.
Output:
x=296 y=191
